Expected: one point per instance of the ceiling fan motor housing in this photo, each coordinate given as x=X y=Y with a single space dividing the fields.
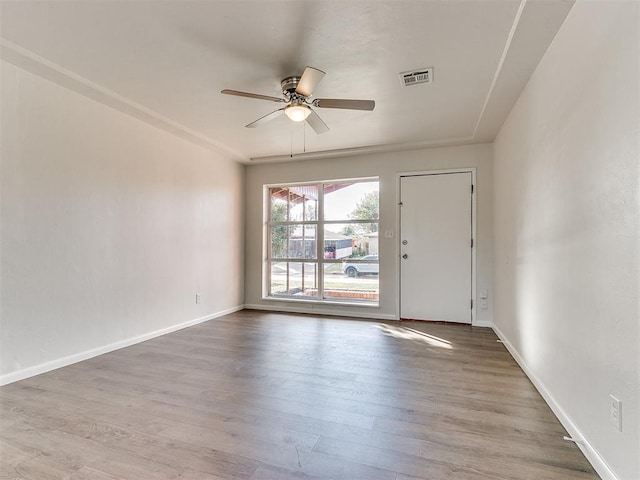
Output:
x=289 y=85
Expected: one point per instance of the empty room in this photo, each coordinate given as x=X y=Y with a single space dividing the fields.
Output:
x=320 y=239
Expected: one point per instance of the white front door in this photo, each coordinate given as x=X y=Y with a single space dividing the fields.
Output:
x=436 y=243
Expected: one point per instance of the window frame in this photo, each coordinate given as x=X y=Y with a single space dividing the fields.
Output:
x=320 y=261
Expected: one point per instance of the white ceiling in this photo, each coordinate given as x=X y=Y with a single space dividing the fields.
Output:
x=166 y=62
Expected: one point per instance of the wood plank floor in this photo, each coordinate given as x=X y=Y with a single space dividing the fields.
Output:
x=269 y=396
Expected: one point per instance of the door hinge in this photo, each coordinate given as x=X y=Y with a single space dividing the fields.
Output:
x=472 y=304
x=472 y=243
x=400 y=204
x=471 y=188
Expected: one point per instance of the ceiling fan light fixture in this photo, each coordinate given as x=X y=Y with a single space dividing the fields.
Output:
x=297 y=112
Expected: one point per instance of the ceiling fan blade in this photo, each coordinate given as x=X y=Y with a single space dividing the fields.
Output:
x=316 y=123
x=345 y=104
x=310 y=78
x=267 y=118
x=252 y=95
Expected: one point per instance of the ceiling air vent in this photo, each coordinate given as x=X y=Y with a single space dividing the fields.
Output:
x=415 y=77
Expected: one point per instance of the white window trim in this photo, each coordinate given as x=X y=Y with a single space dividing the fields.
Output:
x=320 y=261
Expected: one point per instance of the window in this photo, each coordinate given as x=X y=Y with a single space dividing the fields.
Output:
x=322 y=241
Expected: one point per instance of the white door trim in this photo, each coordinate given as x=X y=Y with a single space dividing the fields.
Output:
x=474 y=231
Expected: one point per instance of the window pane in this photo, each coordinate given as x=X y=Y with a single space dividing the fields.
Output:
x=345 y=201
x=299 y=243
x=350 y=240
x=303 y=203
x=294 y=204
x=294 y=279
x=361 y=287
x=302 y=241
x=279 y=241
x=278 y=204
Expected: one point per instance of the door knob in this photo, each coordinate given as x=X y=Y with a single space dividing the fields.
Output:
x=405 y=256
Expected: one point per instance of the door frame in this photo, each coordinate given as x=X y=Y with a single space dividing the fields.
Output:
x=474 y=232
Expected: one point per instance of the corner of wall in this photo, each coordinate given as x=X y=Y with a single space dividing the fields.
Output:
x=589 y=451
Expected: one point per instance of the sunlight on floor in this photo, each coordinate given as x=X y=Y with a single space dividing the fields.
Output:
x=407 y=333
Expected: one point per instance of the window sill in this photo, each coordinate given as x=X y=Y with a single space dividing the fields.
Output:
x=346 y=303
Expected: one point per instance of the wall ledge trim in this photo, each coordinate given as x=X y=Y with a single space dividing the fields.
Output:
x=94 y=352
x=592 y=455
x=40 y=66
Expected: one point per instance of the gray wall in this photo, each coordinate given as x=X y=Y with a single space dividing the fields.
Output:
x=109 y=228
x=386 y=167
x=567 y=175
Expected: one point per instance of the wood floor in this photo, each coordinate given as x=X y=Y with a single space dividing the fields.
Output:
x=267 y=396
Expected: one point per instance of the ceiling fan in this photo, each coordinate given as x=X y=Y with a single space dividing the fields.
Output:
x=296 y=92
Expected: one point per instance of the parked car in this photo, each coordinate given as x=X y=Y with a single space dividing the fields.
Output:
x=354 y=269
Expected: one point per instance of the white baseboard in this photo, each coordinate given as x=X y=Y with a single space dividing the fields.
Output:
x=94 y=352
x=318 y=310
x=587 y=449
x=482 y=323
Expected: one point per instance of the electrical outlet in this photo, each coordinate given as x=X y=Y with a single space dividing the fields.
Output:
x=388 y=234
x=616 y=412
x=484 y=294
x=484 y=304
x=198 y=298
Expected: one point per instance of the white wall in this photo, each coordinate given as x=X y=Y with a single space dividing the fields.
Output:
x=567 y=235
x=386 y=167
x=109 y=228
